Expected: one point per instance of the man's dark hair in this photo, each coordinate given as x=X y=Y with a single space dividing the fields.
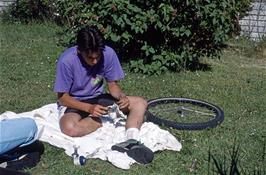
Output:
x=90 y=39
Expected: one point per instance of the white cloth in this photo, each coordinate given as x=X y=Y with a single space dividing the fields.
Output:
x=97 y=144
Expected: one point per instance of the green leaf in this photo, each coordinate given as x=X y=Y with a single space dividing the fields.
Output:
x=114 y=37
x=187 y=32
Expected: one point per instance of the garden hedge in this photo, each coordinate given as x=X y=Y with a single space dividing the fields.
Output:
x=153 y=36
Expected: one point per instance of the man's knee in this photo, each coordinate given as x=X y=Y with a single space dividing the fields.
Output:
x=67 y=126
x=72 y=126
x=69 y=129
x=144 y=103
x=140 y=102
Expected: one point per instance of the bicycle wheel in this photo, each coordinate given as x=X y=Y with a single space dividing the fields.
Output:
x=184 y=113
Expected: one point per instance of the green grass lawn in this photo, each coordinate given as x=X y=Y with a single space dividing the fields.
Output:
x=235 y=83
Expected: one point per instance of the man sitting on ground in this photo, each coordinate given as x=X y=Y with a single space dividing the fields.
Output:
x=80 y=73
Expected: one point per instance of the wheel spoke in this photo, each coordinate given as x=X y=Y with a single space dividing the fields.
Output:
x=185 y=113
x=181 y=108
x=199 y=112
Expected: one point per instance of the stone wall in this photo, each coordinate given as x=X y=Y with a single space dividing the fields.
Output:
x=254 y=24
x=5 y=3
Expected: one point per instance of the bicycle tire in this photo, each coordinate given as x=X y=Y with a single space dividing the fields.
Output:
x=217 y=113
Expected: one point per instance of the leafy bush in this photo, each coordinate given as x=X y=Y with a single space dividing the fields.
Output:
x=28 y=10
x=155 y=36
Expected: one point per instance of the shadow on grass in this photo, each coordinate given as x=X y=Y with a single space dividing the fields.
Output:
x=216 y=165
x=197 y=66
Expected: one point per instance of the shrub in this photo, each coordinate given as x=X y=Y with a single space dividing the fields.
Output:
x=155 y=36
x=28 y=10
x=158 y=35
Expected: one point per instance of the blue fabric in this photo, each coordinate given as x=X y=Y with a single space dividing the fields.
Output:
x=16 y=133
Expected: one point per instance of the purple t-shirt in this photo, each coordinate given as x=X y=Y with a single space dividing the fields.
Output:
x=82 y=81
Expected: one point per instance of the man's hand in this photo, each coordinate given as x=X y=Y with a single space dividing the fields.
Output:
x=116 y=92
x=97 y=110
x=123 y=102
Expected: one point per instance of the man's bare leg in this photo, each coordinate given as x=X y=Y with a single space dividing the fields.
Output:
x=137 y=110
x=73 y=125
x=140 y=153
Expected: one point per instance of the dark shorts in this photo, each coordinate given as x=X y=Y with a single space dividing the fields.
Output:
x=104 y=100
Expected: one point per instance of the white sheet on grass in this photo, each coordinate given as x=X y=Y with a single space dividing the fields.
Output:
x=97 y=144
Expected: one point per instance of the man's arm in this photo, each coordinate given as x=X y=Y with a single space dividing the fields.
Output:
x=95 y=110
x=116 y=91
